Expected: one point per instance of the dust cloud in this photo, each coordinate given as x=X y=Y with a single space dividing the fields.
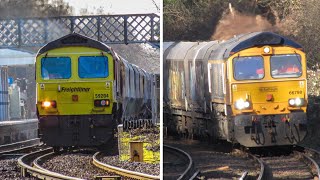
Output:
x=234 y=23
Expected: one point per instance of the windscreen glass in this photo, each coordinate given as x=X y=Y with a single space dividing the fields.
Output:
x=93 y=67
x=285 y=66
x=56 y=68
x=247 y=68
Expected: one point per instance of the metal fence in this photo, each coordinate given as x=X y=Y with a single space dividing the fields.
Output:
x=116 y=29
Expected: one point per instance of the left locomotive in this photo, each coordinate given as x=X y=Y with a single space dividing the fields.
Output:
x=80 y=84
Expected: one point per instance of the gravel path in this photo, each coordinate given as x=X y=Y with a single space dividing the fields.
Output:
x=9 y=169
x=217 y=160
x=147 y=168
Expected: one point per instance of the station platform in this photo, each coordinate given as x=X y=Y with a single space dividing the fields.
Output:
x=18 y=130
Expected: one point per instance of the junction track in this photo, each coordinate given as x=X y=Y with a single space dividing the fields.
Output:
x=80 y=164
x=177 y=164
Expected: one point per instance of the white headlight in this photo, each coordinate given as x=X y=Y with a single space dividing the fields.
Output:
x=240 y=104
x=292 y=102
x=246 y=104
x=298 y=102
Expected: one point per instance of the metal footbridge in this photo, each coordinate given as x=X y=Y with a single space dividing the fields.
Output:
x=110 y=29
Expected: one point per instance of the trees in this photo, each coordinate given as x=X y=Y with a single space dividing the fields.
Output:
x=191 y=19
x=200 y=19
x=34 y=8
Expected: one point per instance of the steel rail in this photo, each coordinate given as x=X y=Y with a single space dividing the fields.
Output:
x=244 y=175
x=25 y=161
x=36 y=162
x=120 y=171
x=189 y=169
x=313 y=162
x=194 y=176
x=262 y=174
x=18 y=146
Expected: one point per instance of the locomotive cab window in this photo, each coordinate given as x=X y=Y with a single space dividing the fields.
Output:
x=286 y=66
x=56 y=68
x=93 y=67
x=247 y=68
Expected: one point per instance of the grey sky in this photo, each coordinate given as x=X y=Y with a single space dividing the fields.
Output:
x=116 y=6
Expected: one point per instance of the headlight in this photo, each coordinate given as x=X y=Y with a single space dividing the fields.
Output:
x=291 y=102
x=47 y=104
x=241 y=104
x=296 y=102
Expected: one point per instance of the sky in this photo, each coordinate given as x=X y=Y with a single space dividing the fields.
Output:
x=116 y=6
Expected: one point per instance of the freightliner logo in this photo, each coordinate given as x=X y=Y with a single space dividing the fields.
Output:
x=268 y=89
x=74 y=89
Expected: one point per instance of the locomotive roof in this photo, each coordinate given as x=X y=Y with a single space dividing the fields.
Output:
x=216 y=50
x=249 y=40
x=74 y=39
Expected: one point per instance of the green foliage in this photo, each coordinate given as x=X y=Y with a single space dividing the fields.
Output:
x=33 y=8
x=197 y=20
x=191 y=19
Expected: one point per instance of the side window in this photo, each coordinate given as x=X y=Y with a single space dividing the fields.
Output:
x=56 y=67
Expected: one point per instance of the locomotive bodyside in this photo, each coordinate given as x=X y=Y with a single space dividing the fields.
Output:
x=185 y=95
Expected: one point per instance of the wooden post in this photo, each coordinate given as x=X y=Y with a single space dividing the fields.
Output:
x=136 y=151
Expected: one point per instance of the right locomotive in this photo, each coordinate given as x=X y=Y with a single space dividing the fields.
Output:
x=251 y=89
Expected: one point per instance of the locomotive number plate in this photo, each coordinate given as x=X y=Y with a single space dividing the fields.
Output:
x=100 y=96
x=295 y=92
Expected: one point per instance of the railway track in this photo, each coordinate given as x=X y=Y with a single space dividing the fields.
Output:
x=280 y=163
x=120 y=171
x=314 y=159
x=215 y=160
x=177 y=164
x=19 y=146
x=30 y=167
x=300 y=163
x=9 y=154
x=264 y=171
x=311 y=158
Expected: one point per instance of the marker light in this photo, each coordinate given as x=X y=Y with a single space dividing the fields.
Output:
x=101 y=102
x=266 y=49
